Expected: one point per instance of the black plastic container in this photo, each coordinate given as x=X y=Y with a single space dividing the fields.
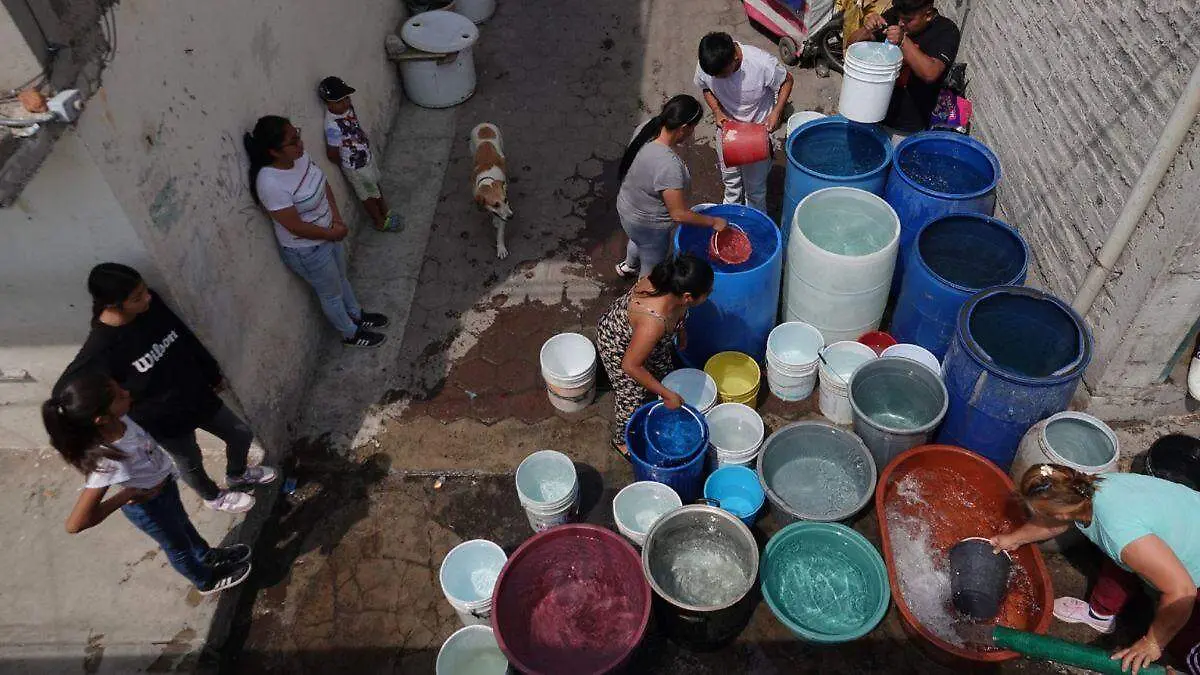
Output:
x=979 y=579
x=1175 y=458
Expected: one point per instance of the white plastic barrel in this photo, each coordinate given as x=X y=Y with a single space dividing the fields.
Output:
x=735 y=434
x=792 y=355
x=841 y=358
x=869 y=75
x=568 y=363
x=478 y=11
x=639 y=505
x=471 y=651
x=468 y=577
x=548 y=489
x=916 y=353
x=696 y=387
x=432 y=80
x=797 y=119
x=840 y=259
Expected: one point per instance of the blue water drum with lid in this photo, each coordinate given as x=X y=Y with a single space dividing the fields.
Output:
x=1017 y=356
x=935 y=173
x=833 y=152
x=953 y=258
x=740 y=312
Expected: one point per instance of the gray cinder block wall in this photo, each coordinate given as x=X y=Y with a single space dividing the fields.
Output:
x=1072 y=97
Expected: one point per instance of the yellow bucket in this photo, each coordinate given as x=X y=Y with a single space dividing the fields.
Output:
x=737 y=377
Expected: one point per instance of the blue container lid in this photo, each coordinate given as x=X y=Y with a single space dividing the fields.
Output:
x=1024 y=335
x=998 y=241
x=959 y=144
x=829 y=140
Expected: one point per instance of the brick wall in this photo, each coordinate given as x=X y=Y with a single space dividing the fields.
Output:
x=1072 y=97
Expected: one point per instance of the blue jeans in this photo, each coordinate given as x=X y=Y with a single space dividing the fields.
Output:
x=324 y=268
x=649 y=244
x=164 y=519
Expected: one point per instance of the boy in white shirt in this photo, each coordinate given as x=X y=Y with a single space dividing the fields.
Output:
x=346 y=145
x=744 y=83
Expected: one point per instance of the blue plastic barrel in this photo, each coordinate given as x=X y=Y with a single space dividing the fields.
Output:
x=954 y=257
x=935 y=173
x=1017 y=356
x=686 y=479
x=740 y=313
x=833 y=152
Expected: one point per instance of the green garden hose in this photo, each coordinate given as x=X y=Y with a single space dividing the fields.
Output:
x=1060 y=651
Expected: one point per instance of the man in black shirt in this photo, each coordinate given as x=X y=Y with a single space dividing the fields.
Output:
x=929 y=43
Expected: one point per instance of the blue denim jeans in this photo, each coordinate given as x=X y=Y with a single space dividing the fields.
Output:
x=164 y=519
x=324 y=268
x=649 y=244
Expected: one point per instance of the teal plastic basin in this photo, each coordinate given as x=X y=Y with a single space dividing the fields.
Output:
x=825 y=582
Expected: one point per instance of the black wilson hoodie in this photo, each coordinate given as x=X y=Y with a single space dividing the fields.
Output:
x=161 y=363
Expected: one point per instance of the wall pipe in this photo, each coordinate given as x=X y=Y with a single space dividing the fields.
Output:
x=1156 y=167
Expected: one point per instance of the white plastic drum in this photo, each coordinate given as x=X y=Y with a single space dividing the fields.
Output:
x=439 y=82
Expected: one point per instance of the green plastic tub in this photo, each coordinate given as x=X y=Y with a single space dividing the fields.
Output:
x=825 y=582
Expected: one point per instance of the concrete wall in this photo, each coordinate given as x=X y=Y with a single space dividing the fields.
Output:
x=66 y=221
x=1072 y=97
x=166 y=127
x=19 y=64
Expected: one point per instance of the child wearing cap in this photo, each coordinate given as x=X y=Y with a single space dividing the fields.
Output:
x=346 y=145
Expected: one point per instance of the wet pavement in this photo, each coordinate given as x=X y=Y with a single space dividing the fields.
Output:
x=346 y=571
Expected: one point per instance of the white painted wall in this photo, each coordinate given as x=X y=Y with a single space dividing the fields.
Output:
x=18 y=64
x=166 y=127
x=1072 y=96
x=65 y=221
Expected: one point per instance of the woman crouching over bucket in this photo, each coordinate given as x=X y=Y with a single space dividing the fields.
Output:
x=1146 y=526
x=637 y=333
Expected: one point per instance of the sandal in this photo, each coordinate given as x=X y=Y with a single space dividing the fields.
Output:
x=623 y=454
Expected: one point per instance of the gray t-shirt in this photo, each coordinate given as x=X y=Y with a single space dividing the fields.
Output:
x=656 y=168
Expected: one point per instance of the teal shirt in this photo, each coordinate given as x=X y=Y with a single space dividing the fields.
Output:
x=1129 y=506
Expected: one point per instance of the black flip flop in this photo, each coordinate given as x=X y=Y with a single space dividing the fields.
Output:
x=617 y=450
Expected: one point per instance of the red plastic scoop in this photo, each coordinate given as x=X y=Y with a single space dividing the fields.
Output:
x=730 y=246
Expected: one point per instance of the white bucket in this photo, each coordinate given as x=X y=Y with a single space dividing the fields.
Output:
x=639 y=505
x=841 y=358
x=792 y=350
x=735 y=434
x=468 y=577
x=696 y=387
x=478 y=11
x=869 y=75
x=568 y=363
x=433 y=81
x=548 y=488
x=799 y=119
x=916 y=353
x=471 y=651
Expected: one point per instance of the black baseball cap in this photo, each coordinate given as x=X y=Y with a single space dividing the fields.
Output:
x=333 y=89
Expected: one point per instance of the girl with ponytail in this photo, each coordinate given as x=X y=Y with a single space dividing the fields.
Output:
x=636 y=336
x=1149 y=529
x=89 y=426
x=653 y=182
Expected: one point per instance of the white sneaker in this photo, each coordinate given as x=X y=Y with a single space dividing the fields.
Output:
x=1074 y=610
x=231 y=501
x=253 y=475
x=237 y=575
x=1194 y=378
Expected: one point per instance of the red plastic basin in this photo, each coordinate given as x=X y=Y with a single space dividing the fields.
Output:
x=571 y=600
x=963 y=496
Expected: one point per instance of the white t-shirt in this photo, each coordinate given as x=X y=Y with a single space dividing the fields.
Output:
x=749 y=94
x=302 y=186
x=346 y=134
x=144 y=466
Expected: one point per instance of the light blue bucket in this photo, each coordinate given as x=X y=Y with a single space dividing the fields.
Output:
x=736 y=489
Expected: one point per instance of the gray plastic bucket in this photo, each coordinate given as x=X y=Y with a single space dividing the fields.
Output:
x=898 y=403
x=816 y=471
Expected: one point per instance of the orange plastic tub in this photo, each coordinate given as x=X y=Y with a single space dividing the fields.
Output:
x=958 y=494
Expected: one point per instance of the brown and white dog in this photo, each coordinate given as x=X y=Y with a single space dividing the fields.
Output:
x=489 y=181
